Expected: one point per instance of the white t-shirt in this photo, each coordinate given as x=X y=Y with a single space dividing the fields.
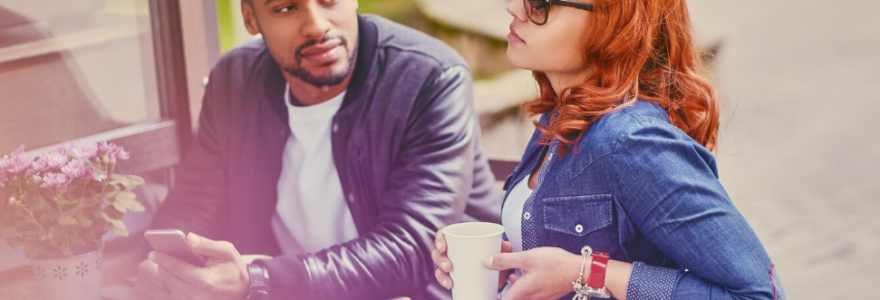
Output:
x=511 y=219
x=311 y=213
x=512 y=213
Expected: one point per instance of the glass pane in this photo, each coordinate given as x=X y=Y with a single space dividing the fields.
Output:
x=72 y=68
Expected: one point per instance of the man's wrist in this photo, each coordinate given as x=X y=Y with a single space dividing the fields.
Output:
x=258 y=281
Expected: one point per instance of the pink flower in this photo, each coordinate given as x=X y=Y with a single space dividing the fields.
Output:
x=16 y=163
x=77 y=168
x=86 y=151
x=50 y=161
x=65 y=149
x=7 y=162
x=56 y=180
x=113 y=152
x=18 y=151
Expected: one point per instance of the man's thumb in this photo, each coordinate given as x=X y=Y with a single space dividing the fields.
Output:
x=211 y=248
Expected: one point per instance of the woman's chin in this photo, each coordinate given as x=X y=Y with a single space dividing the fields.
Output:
x=516 y=58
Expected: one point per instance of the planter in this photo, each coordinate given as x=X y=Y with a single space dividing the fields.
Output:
x=69 y=278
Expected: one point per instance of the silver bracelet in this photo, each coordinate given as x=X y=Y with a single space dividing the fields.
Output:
x=580 y=291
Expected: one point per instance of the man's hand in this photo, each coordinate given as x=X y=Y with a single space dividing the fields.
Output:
x=150 y=285
x=224 y=277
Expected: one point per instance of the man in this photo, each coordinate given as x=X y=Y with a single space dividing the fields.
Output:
x=338 y=144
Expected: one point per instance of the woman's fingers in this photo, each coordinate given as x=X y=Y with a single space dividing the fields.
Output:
x=441 y=261
x=443 y=278
x=502 y=278
x=512 y=278
x=440 y=241
x=506 y=247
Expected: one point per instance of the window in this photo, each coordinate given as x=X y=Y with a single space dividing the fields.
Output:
x=93 y=70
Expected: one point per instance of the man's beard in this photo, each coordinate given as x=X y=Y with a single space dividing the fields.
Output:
x=325 y=80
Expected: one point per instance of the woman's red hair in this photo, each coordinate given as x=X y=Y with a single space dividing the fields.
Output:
x=636 y=49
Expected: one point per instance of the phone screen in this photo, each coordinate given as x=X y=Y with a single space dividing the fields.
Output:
x=173 y=242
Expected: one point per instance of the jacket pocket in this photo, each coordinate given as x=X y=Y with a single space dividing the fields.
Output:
x=577 y=215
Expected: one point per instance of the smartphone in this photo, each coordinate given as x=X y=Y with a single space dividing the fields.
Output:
x=173 y=242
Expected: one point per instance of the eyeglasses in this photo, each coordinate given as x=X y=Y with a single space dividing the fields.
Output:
x=539 y=10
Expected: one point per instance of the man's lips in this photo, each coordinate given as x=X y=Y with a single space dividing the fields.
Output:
x=324 y=53
x=321 y=48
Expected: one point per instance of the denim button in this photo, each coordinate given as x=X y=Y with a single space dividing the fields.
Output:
x=579 y=228
x=527 y=215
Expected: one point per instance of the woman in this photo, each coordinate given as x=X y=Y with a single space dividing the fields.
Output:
x=620 y=162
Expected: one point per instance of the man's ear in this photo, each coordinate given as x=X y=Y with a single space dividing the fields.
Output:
x=249 y=14
x=355 y=4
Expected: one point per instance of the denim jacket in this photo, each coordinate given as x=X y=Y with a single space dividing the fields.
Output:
x=641 y=189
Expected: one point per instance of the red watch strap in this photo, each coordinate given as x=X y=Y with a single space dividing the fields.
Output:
x=597 y=270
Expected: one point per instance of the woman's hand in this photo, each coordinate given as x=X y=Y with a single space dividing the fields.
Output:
x=547 y=272
x=445 y=265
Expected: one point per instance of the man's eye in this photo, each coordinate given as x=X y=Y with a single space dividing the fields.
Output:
x=286 y=8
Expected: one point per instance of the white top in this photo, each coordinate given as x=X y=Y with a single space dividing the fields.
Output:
x=311 y=213
x=512 y=215
x=512 y=212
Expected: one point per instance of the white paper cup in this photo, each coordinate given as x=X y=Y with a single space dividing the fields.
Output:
x=468 y=244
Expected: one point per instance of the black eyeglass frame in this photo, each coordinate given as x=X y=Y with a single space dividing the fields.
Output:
x=549 y=4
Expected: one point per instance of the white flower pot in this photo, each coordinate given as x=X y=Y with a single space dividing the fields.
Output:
x=69 y=278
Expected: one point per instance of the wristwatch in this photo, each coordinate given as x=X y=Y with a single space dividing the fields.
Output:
x=595 y=287
x=596 y=280
x=259 y=286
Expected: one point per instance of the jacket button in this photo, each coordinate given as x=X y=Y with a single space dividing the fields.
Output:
x=283 y=132
x=579 y=228
x=335 y=127
x=527 y=215
x=350 y=198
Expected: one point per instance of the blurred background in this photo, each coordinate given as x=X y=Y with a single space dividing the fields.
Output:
x=797 y=80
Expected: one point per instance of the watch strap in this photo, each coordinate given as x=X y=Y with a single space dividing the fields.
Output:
x=598 y=268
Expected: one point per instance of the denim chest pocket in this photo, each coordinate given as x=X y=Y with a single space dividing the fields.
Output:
x=577 y=215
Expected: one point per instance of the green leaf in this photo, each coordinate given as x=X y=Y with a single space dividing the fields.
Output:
x=67 y=202
x=117 y=227
x=136 y=180
x=83 y=221
x=67 y=221
x=113 y=212
x=126 y=196
x=125 y=202
x=124 y=181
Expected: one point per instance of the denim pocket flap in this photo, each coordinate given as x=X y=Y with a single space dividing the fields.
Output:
x=577 y=215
